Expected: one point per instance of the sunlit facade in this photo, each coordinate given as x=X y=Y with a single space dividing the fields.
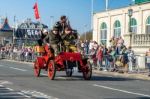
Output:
x=116 y=23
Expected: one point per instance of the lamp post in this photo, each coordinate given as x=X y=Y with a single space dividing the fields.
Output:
x=51 y=20
x=85 y=32
x=130 y=12
x=13 y=39
x=25 y=39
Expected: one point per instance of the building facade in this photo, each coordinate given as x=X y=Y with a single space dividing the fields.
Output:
x=28 y=32
x=131 y=23
x=6 y=32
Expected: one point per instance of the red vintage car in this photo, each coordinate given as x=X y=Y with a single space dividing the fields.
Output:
x=64 y=61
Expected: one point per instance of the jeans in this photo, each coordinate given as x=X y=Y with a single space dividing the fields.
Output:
x=106 y=62
x=100 y=63
x=148 y=65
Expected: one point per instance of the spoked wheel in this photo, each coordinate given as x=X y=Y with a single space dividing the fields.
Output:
x=51 y=70
x=37 y=69
x=69 y=72
x=87 y=72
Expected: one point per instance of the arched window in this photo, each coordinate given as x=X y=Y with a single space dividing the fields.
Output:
x=148 y=25
x=117 y=29
x=103 y=33
x=133 y=25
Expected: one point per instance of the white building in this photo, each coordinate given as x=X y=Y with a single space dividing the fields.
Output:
x=116 y=23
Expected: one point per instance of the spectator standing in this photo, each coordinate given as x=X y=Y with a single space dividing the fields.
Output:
x=99 y=56
x=112 y=42
x=131 y=58
x=91 y=45
x=120 y=43
x=148 y=61
x=86 y=47
x=105 y=50
x=113 y=57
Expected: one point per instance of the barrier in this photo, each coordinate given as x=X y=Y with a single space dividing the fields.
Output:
x=133 y=66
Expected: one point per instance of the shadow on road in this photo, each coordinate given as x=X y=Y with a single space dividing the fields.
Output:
x=73 y=78
x=94 y=78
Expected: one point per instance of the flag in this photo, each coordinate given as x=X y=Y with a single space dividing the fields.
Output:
x=36 y=11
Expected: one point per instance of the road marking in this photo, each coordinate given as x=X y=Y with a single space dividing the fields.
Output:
x=5 y=82
x=10 y=89
x=37 y=94
x=18 y=69
x=23 y=95
x=124 y=91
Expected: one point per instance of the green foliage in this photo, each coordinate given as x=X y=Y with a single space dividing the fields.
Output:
x=89 y=36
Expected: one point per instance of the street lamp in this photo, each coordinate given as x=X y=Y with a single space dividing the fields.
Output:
x=85 y=31
x=51 y=20
x=25 y=39
x=13 y=38
x=130 y=12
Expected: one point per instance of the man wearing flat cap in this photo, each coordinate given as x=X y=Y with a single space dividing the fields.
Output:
x=53 y=39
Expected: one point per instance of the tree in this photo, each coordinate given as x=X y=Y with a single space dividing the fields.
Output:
x=89 y=36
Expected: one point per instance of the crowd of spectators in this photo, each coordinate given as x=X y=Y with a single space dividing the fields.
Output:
x=113 y=58
x=116 y=57
x=17 y=53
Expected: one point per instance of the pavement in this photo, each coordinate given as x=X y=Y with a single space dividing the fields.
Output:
x=17 y=81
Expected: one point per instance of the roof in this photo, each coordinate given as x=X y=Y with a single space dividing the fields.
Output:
x=5 y=26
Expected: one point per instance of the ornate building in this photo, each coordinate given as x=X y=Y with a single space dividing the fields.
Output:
x=132 y=23
x=28 y=32
x=6 y=32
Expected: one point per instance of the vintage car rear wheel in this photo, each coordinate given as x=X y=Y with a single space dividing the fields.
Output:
x=37 y=69
x=87 y=71
x=51 y=70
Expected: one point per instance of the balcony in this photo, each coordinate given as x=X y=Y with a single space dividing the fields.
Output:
x=140 y=40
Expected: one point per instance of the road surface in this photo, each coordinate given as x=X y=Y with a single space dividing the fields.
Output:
x=17 y=81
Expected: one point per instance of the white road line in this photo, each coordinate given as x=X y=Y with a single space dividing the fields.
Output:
x=37 y=94
x=10 y=89
x=23 y=95
x=18 y=69
x=124 y=91
x=5 y=82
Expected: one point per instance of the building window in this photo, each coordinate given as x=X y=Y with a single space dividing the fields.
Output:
x=103 y=33
x=117 y=29
x=133 y=25
x=148 y=25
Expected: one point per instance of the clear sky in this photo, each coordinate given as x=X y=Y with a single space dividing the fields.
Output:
x=78 y=11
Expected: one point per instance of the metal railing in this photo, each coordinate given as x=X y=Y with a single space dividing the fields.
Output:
x=116 y=65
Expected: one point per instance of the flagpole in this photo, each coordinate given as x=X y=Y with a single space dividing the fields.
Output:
x=106 y=5
x=92 y=11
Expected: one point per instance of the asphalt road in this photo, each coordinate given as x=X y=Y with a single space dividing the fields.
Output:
x=18 y=82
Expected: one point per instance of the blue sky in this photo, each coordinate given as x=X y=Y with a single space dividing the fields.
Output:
x=78 y=11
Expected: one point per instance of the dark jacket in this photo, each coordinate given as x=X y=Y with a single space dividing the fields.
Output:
x=61 y=26
x=52 y=38
x=69 y=38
